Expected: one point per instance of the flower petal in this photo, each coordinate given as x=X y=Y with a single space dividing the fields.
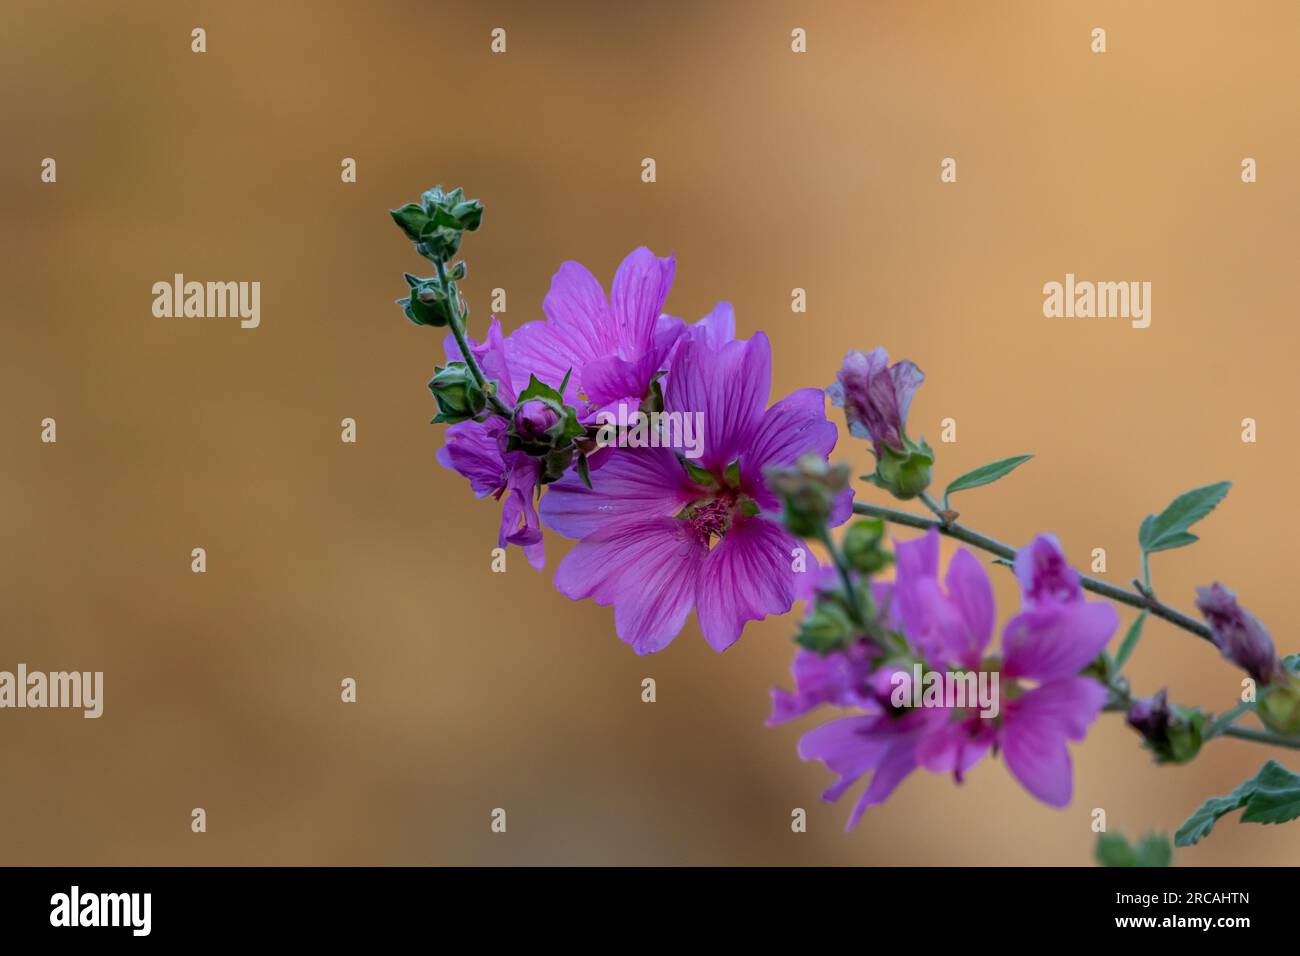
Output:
x=647 y=570
x=630 y=485
x=971 y=594
x=746 y=577
x=793 y=427
x=637 y=299
x=729 y=386
x=1054 y=641
x=1036 y=728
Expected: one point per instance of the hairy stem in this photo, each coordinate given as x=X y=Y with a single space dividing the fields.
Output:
x=995 y=547
x=458 y=330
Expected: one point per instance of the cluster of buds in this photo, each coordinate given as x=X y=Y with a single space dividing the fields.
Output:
x=540 y=424
x=436 y=223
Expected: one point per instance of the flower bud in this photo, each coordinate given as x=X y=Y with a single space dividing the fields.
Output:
x=904 y=475
x=533 y=419
x=543 y=426
x=808 y=491
x=863 y=549
x=826 y=629
x=1238 y=634
x=427 y=303
x=457 y=393
x=1172 y=733
x=435 y=224
x=1279 y=704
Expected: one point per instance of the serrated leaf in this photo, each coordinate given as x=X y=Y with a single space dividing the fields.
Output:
x=1130 y=640
x=1271 y=796
x=1169 y=528
x=984 y=475
x=1180 y=540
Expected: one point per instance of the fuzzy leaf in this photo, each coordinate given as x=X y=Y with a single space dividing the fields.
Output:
x=1271 y=796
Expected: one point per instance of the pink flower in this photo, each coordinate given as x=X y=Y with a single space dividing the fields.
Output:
x=657 y=540
x=948 y=626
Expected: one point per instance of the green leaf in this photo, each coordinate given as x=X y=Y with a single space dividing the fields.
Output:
x=1168 y=529
x=584 y=471
x=1113 y=849
x=986 y=474
x=1130 y=640
x=1271 y=796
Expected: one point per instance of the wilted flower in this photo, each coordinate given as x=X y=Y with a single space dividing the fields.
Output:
x=876 y=397
x=1237 y=633
x=1172 y=733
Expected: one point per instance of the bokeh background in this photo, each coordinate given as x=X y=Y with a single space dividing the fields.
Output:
x=775 y=170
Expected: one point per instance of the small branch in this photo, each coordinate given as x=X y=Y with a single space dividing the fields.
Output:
x=1260 y=737
x=992 y=546
x=842 y=566
x=458 y=330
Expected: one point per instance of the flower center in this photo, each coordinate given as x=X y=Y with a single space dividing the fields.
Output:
x=709 y=518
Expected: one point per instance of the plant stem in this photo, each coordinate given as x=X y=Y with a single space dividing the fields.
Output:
x=932 y=505
x=842 y=566
x=992 y=546
x=1260 y=737
x=458 y=330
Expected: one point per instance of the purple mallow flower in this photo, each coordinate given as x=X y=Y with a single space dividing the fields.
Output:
x=876 y=396
x=948 y=626
x=1237 y=633
x=614 y=347
x=658 y=540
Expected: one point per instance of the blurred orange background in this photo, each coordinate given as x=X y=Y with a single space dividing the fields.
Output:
x=775 y=170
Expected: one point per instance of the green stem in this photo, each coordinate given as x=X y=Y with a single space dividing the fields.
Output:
x=995 y=547
x=1260 y=737
x=933 y=505
x=458 y=330
x=843 y=567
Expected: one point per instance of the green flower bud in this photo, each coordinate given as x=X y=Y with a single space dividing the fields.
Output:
x=903 y=474
x=435 y=224
x=828 y=627
x=427 y=304
x=862 y=546
x=1279 y=704
x=457 y=393
x=542 y=425
x=807 y=492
